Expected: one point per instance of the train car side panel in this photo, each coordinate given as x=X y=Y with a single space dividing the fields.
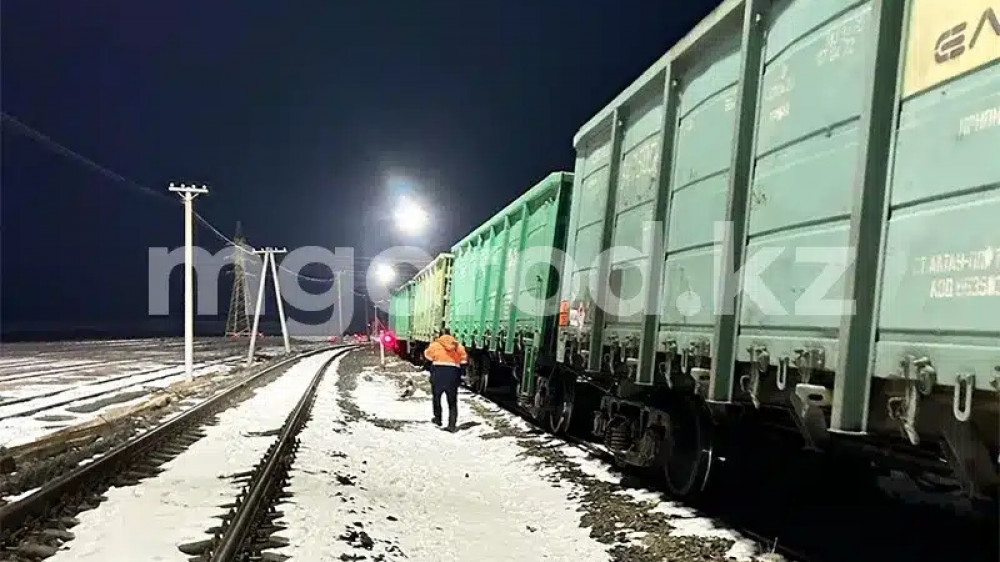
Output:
x=808 y=126
x=584 y=244
x=703 y=145
x=401 y=313
x=632 y=229
x=939 y=315
x=431 y=291
x=533 y=283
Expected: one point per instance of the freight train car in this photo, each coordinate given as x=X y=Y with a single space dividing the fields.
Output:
x=401 y=317
x=429 y=293
x=501 y=280
x=822 y=185
x=787 y=226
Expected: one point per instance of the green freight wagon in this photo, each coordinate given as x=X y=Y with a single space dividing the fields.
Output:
x=791 y=219
x=504 y=291
x=430 y=288
x=401 y=316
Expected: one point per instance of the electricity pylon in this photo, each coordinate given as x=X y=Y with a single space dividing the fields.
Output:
x=238 y=322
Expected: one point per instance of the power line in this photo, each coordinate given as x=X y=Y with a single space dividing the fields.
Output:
x=63 y=150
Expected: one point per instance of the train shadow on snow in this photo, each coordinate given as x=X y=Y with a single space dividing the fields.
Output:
x=815 y=512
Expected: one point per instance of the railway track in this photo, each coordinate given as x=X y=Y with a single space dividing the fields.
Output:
x=33 y=526
x=246 y=528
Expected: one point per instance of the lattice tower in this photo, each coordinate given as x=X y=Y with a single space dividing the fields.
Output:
x=238 y=322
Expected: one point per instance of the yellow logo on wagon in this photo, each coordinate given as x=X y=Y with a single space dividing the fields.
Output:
x=948 y=38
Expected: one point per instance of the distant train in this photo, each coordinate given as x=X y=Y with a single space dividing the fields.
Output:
x=771 y=140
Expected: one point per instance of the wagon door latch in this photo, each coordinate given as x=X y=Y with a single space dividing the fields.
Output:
x=760 y=361
x=807 y=361
x=919 y=377
x=700 y=375
x=667 y=366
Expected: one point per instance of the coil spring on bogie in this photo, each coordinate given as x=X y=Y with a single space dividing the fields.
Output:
x=618 y=434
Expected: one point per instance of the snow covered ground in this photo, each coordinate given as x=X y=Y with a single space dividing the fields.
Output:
x=418 y=492
x=149 y=521
x=25 y=425
x=46 y=387
x=375 y=478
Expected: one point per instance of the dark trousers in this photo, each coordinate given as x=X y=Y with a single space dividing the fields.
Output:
x=445 y=380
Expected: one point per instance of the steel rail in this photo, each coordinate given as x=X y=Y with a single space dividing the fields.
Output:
x=234 y=536
x=14 y=515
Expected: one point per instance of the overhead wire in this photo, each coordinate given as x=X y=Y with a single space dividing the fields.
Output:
x=65 y=151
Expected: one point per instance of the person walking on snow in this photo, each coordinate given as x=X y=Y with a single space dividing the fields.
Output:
x=447 y=358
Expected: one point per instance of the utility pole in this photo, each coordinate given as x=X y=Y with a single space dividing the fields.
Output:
x=368 y=320
x=188 y=193
x=268 y=254
x=277 y=296
x=340 y=305
x=381 y=337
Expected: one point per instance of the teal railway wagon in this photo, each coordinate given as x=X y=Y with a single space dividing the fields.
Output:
x=791 y=219
x=505 y=285
x=430 y=293
x=401 y=316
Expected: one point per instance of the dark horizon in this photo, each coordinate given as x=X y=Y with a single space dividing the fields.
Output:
x=303 y=119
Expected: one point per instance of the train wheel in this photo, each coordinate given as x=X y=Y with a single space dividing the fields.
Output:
x=562 y=401
x=686 y=451
x=473 y=374
x=483 y=382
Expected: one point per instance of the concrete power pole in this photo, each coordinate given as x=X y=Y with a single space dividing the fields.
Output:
x=340 y=306
x=268 y=254
x=238 y=321
x=277 y=296
x=188 y=193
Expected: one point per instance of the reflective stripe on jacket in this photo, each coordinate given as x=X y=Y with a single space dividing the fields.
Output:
x=446 y=352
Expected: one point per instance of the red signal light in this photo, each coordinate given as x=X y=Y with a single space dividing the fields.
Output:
x=388 y=338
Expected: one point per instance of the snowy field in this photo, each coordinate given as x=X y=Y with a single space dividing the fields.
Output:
x=48 y=387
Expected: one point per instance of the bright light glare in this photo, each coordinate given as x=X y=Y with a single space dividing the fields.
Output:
x=384 y=273
x=410 y=217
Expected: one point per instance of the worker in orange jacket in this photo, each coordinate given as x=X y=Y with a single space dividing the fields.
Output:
x=447 y=358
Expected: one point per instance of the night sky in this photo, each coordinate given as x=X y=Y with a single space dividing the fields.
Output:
x=295 y=113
